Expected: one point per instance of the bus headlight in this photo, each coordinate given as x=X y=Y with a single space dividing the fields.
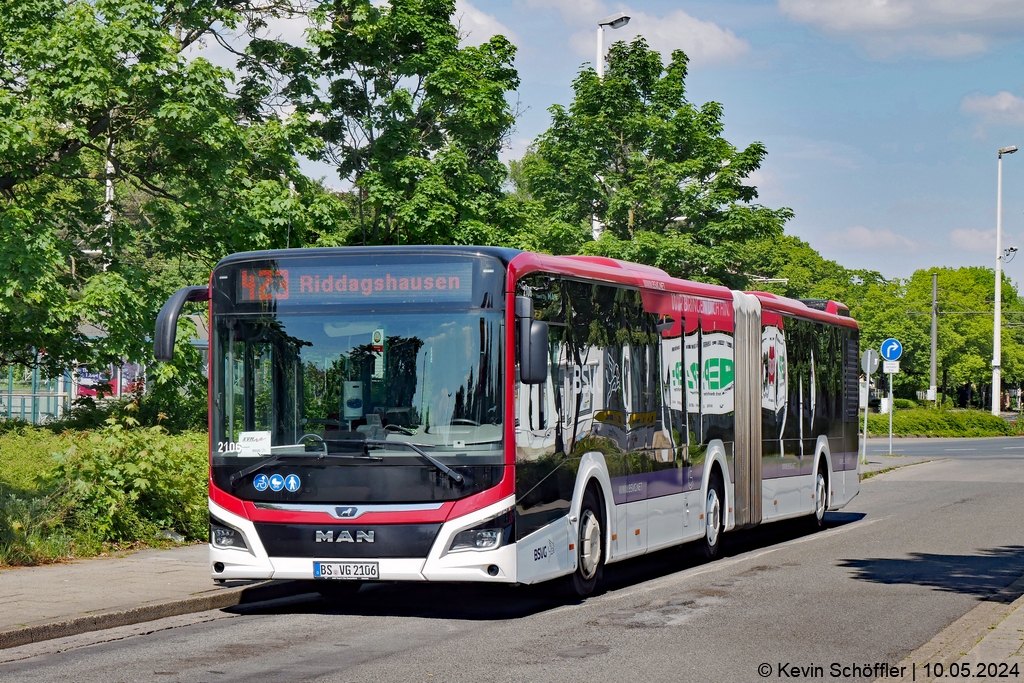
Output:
x=223 y=536
x=487 y=535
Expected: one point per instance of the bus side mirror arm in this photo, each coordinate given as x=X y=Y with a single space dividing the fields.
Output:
x=167 y=319
x=533 y=344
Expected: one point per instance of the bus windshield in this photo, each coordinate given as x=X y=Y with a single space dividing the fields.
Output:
x=300 y=382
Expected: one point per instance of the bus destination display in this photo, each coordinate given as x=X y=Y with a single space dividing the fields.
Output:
x=394 y=283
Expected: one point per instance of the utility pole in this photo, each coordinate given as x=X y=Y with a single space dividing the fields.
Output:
x=933 y=392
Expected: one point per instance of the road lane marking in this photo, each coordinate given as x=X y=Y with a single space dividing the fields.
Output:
x=1010 y=448
x=959 y=449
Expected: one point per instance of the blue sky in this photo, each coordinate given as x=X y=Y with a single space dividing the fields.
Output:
x=881 y=117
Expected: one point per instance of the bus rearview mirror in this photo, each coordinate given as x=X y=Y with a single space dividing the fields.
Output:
x=533 y=344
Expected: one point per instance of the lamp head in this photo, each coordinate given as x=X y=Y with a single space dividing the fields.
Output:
x=1008 y=150
x=617 y=21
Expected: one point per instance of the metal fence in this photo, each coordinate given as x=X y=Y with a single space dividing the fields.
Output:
x=31 y=398
x=34 y=408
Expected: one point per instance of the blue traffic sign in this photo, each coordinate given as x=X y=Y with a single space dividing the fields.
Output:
x=891 y=349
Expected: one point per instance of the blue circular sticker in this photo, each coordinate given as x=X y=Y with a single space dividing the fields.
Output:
x=261 y=482
x=276 y=482
x=292 y=483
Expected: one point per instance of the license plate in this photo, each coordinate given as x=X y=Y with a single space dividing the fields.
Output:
x=366 y=571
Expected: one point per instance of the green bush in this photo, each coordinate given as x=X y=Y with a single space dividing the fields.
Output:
x=904 y=403
x=931 y=422
x=73 y=494
x=123 y=485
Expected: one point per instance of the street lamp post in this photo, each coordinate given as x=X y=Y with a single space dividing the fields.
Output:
x=997 y=350
x=614 y=21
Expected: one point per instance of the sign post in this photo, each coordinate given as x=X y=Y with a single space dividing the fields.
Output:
x=869 y=364
x=891 y=352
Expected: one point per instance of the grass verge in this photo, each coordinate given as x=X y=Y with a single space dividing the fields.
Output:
x=116 y=487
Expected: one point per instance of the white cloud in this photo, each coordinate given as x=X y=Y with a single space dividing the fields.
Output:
x=859 y=238
x=478 y=26
x=1002 y=109
x=703 y=41
x=981 y=241
x=937 y=28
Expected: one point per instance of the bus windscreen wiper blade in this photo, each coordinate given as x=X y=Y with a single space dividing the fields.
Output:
x=238 y=476
x=455 y=476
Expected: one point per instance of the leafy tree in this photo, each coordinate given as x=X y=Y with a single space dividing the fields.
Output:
x=901 y=309
x=412 y=120
x=808 y=275
x=96 y=95
x=654 y=169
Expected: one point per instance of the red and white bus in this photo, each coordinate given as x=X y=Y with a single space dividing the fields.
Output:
x=486 y=414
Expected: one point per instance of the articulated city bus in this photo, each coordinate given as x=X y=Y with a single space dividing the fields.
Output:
x=485 y=414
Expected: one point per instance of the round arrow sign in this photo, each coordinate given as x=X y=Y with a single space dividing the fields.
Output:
x=869 y=362
x=891 y=349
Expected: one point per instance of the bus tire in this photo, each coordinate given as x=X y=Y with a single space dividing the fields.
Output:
x=817 y=519
x=589 y=547
x=714 y=523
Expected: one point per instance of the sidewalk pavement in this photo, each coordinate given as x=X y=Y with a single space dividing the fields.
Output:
x=53 y=601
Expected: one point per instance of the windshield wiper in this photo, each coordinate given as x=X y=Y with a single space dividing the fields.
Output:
x=452 y=474
x=237 y=476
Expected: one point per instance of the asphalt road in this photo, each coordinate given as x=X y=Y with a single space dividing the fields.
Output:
x=1008 y=446
x=918 y=548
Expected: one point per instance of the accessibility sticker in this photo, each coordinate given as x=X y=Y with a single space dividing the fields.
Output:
x=261 y=482
x=292 y=483
x=276 y=482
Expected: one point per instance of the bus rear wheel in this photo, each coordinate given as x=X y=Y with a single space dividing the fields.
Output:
x=714 y=523
x=589 y=547
x=820 y=497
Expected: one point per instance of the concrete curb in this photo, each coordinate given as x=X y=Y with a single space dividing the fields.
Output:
x=220 y=599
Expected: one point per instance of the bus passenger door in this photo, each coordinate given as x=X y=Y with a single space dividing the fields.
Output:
x=747 y=485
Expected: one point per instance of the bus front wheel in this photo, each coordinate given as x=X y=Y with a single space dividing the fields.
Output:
x=589 y=547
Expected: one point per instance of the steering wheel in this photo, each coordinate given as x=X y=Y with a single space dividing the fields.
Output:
x=464 y=421
x=315 y=436
x=400 y=429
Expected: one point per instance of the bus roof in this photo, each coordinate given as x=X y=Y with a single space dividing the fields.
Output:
x=601 y=267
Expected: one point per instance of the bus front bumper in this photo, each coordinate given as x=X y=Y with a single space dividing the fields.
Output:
x=492 y=566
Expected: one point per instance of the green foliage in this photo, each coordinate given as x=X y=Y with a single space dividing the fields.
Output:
x=808 y=275
x=75 y=492
x=652 y=167
x=412 y=120
x=944 y=423
x=904 y=403
x=98 y=92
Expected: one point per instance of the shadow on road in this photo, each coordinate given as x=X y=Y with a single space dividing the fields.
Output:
x=980 y=575
x=489 y=602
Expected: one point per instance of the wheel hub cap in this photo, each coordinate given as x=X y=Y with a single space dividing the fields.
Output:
x=590 y=545
x=819 y=497
x=713 y=512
